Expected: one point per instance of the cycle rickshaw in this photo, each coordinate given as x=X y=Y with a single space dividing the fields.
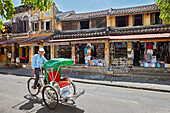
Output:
x=57 y=89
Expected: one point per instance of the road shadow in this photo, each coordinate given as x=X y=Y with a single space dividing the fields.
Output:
x=36 y=105
x=30 y=104
x=62 y=108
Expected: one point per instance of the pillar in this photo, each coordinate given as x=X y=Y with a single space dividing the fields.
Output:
x=31 y=53
x=13 y=54
x=107 y=54
x=129 y=53
x=73 y=52
x=52 y=51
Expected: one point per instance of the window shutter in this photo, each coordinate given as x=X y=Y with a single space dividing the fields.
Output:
x=133 y=20
x=37 y=28
x=13 y=27
x=27 y=25
x=42 y=25
x=152 y=18
x=127 y=20
x=20 y=26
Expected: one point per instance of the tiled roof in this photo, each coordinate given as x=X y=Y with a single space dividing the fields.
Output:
x=12 y=41
x=138 y=9
x=22 y=8
x=35 y=39
x=112 y=31
x=85 y=15
x=111 y=11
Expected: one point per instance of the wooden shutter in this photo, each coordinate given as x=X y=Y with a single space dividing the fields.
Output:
x=152 y=18
x=27 y=25
x=133 y=20
x=37 y=27
x=13 y=27
x=127 y=20
x=20 y=26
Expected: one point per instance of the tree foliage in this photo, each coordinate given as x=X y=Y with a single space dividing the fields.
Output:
x=7 y=8
x=6 y=11
x=164 y=6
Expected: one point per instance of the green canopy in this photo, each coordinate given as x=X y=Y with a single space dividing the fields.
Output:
x=58 y=62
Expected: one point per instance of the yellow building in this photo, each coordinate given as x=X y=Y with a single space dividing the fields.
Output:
x=30 y=29
x=128 y=37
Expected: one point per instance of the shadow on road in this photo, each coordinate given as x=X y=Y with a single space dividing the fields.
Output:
x=35 y=104
x=61 y=109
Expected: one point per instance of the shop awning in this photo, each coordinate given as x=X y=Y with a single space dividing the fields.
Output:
x=77 y=39
x=121 y=37
x=141 y=36
x=36 y=39
x=11 y=41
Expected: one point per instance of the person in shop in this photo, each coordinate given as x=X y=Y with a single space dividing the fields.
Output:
x=37 y=61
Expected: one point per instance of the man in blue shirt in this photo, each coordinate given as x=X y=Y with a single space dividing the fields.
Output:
x=37 y=61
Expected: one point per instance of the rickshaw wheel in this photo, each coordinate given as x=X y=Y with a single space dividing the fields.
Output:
x=50 y=97
x=32 y=91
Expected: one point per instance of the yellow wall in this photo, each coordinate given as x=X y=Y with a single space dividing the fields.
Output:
x=130 y=20
x=59 y=26
x=111 y=21
x=42 y=17
x=146 y=19
x=108 y=21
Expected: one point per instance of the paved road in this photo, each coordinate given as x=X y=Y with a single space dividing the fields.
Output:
x=14 y=98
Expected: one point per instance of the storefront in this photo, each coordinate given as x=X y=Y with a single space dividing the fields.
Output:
x=152 y=54
x=62 y=50
x=118 y=53
x=91 y=54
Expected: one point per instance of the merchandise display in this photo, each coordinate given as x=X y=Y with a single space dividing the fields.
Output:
x=118 y=53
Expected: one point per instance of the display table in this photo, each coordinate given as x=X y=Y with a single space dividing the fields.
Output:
x=24 y=59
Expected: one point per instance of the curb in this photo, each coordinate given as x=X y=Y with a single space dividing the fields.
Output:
x=123 y=86
x=99 y=83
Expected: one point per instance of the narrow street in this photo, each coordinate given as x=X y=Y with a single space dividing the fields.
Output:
x=97 y=99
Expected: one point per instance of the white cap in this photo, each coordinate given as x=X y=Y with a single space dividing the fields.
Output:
x=41 y=49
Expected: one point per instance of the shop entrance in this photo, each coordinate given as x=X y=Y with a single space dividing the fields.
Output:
x=81 y=54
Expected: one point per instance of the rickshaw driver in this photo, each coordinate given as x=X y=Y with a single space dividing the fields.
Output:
x=37 y=61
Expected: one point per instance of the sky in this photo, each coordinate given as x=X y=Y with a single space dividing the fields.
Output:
x=82 y=6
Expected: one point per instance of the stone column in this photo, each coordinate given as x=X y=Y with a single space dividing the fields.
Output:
x=107 y=58
x=129 y=53
x=31 y=53
x=52 y=51
x=73 y=52
x=13 y=54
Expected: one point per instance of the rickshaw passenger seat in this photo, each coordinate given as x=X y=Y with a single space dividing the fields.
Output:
x=62 y=82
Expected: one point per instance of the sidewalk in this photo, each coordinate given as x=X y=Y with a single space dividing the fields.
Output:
x=116 y=80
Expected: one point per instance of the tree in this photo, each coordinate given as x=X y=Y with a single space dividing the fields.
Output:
x=7 y=8
x=164 y=6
